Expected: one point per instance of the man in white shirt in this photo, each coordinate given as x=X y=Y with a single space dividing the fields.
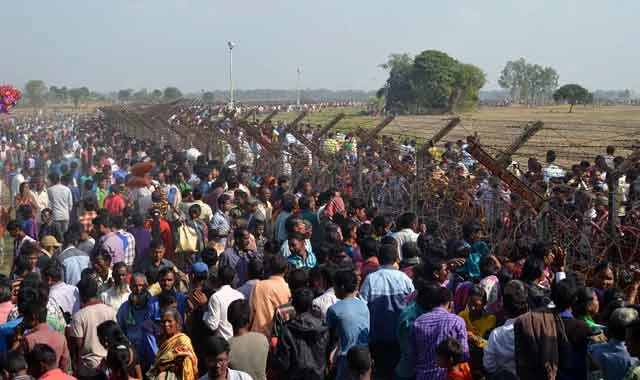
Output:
x=499 y=353
x=407 y=227
x=216 y=315
x=14 y=186
x=552 y=170
x=40 y=195
x=323 y=302
x=60 y=202
x=116 y=295
x=67 y=296
x=20 y=238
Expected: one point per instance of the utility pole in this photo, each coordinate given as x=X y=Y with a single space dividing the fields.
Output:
x=299 y=72
x=231 y=45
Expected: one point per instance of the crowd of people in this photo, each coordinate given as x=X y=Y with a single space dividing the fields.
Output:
x=132 y=260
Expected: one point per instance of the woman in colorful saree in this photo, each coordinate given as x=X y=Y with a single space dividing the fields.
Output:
x=176 y=359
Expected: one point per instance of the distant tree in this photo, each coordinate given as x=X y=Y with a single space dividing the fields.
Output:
x=140 y=96
x=528 y=83
x=573 y=94
x=208 y=97
x=124 y=95
x=97 y=96
x=79 y=94
x=432 y=81
x=34 y=92
x=469 y=79
x=155 y=96
x=172 y=93
x=57 y=94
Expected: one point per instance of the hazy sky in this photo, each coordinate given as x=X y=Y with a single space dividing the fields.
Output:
x=112 y=44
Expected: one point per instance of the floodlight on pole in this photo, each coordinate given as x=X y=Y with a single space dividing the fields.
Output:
x=231 y=45
x=299 y=72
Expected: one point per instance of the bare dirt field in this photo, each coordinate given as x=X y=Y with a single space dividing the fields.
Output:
x=576 y=136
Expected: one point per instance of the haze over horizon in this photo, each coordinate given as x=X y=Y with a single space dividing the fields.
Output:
x=150 y=44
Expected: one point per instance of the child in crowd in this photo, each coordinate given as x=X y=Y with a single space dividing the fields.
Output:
x=360 y=362
x=479 y=324
x=15 y=367
x=450 y=357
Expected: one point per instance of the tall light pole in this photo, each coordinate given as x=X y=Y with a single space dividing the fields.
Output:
x=299 y=72
x=231 y=45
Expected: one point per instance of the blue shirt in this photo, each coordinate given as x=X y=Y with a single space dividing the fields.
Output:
x=141 y=333
x=613 y=358
x=182 y=305
x=298 y=262
x=239 y=261
x=406 y=364
x=74 y=261
x=280 y=231
x=6 y=330
x=385 y=292
x=286 y=252
x=350 y=319
x=478 y=250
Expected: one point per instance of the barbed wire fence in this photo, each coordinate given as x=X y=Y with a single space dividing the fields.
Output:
x=381 y=181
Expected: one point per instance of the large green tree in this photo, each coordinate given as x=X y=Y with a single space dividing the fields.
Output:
x=573 y=94
x=34 y=92
x=172 y=93
x=432 y=81
x=528 y=82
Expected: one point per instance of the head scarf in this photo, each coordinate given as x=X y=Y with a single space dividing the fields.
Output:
x=177 y=347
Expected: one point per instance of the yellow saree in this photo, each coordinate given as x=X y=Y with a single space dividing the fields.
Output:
x=176 y=360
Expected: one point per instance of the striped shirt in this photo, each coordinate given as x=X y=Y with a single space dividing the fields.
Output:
x=86 y=219
x=129 y=245
x=385 y=292
x=429 y=330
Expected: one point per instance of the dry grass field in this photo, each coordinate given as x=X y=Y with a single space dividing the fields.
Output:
x=576 y=136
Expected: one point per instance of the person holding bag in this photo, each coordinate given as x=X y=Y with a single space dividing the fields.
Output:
x=191 y=238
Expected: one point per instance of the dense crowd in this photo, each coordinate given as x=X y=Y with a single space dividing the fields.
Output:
x=132 y=260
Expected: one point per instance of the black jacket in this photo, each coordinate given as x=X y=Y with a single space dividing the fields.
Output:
x=302 y=349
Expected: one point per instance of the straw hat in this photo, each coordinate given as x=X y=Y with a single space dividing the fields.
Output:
x=49 y=241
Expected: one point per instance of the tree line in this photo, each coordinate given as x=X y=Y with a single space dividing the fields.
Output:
x=434 y=82
x=38 y=94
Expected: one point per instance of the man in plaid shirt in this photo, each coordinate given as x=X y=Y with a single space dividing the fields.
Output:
x=89 y=214
x=128 y=241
